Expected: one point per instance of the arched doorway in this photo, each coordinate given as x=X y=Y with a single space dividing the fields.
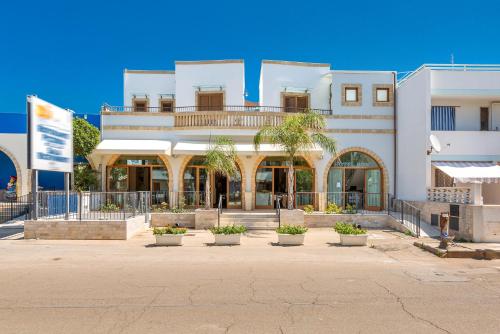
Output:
x=8 y=177
x=355 y=179
x=194 y=183
x=138 y=173
x=271 y=179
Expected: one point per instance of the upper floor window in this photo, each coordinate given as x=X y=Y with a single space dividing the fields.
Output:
x=383 y=95
x=295 y=102
x=210 y=101
x=351 y=95
x=140 y=105
x=166 y=105
x=442 y=118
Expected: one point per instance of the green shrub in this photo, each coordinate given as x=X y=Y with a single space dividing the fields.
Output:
x=308 y=209
x=229 y=229
x=291 y=229
x=345 y=228
x=178 y=209
x=350 y=209
x=110 y=207
x=163 y=207
x=332 y=208
x=169 y=230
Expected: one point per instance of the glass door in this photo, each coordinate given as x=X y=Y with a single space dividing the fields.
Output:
x=335 y=186
x=264 y=188
x=373 y=189
x=234 y=191
x=304 y=184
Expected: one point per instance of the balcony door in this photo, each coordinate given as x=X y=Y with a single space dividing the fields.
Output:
x=210 y=101
x=295 y=103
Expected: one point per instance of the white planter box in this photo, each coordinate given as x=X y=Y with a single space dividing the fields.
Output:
x=227 y=239
x=353 y=240
x=169 y=239
x=291 y=239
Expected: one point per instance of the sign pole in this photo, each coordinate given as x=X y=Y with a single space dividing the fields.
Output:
x=66 y=191
x=34 y=193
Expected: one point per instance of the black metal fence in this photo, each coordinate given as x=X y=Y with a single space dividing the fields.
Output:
x=406 y=213
x=12 y=208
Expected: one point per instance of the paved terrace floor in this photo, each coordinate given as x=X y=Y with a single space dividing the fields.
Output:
x=134 y=287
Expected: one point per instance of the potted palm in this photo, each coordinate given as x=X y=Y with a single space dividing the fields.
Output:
x=228 y=235
x=291 y=235
x=169 y=236
x=296 y=135
x=351 y=235
x=220 y=158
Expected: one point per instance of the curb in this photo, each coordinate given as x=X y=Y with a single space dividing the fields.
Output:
x=477 y=254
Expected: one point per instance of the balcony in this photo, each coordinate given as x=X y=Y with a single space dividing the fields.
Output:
x=470 y=143
x=107 y=109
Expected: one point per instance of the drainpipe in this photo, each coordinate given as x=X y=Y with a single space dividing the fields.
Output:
x=394 y=80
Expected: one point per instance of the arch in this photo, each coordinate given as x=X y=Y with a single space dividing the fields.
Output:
x=371 y=154
x=17 y=167
x=113 y=158
x=188 y=158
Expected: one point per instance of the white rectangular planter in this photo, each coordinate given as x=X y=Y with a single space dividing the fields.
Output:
x=227 y=239
x=169 y=239
x=353 y=240
x=291 y=239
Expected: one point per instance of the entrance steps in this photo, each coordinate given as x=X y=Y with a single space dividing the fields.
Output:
x=251 y=220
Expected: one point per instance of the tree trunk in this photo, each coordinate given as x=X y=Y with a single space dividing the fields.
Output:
x=290 y=185
x=208 y=203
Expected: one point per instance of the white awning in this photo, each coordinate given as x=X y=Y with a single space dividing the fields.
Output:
x=115 y=146
x=470 y=172
x=194 y=148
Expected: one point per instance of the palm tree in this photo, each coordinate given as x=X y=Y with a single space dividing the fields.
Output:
x=220 y=158
x=297 y=134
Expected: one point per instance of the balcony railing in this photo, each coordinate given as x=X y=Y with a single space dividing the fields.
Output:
x=226 y=108
x=460 y=195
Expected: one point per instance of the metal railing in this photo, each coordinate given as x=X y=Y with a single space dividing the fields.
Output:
x=358 y=202
x=407 y=214
x=16 y=207
x=278 y=209
x=449 y=67
x=93 y=205
x=219 y=209
x=225 y=108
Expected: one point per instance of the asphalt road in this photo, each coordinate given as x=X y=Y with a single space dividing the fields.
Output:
x=258 y=287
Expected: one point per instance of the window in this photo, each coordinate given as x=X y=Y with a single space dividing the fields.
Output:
x=442 y=118
x=351 y=95
x=140 y=105
x=210 y=101
x=296 y=103
x=382 y=95
x=485 y=118
x=167 y=106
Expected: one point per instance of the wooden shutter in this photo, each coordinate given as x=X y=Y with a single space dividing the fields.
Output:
x=203 y=102
x=302 y=103
x=216 y=102
x=290 y=103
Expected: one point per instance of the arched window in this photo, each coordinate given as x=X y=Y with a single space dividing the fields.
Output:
x=355 y=178
x=138 y=173
x=271 y=180
x=194 y=182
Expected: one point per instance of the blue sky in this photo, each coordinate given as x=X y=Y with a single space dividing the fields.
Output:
x=73 y=53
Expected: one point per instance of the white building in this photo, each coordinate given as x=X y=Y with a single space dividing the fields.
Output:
x=460 y=106
x=169 y=117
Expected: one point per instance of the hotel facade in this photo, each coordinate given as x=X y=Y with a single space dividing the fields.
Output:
x=156 y=140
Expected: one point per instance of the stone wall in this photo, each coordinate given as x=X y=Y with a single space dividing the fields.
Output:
x=486 y=222
x=329 y=220
x=185 y=219
x=465 y=220
x=83 y=230
x=205 y=219
x=292 y=217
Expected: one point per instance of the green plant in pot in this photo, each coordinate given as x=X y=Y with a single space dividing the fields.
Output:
x=291 y=235
x=228 y=235
x=351 y=234
x=169 y=236
x=333 y=208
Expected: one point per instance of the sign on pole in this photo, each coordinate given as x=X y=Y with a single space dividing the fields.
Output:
x=50 y=136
